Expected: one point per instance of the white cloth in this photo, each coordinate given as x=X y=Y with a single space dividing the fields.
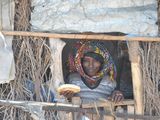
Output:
x=7 y=65
x=68 y=16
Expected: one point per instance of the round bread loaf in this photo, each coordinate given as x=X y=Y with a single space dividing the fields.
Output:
x=68 y=87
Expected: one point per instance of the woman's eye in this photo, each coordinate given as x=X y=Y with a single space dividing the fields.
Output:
x=86 y=63
x=96 y=64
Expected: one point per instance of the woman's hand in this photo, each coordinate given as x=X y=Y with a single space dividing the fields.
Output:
x=117 y=96
x=67 y=93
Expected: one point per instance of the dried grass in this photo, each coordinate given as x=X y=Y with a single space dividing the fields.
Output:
x=151 y=77
x=151 y=74
x=32 y=60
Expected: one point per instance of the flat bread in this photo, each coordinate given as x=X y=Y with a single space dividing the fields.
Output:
x=68 y=87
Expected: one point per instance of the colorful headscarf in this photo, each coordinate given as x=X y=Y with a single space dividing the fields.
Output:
x=81 y=48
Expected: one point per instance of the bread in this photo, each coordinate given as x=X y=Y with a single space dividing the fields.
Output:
x=68 y=87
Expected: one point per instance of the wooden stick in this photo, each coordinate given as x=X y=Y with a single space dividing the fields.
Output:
x=136 y=76
x=137 y=87
x=80 y=36
x=131 y=110
x=107 y=104
x=34 y=105
x=57 y=79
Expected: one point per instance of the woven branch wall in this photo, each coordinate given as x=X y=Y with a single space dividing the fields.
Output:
x=32 y=59
x=150 y=54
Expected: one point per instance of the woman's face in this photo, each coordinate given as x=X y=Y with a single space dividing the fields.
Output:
x=90 y=65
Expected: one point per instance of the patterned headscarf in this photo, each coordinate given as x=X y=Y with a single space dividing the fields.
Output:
x=79 y=50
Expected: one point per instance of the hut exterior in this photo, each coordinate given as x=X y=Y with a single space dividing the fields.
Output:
x=35 y=59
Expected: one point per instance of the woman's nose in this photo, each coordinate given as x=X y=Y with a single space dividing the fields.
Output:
x=91 y=64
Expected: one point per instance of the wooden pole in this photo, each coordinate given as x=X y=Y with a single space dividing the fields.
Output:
x=56 y=69
x=56 y=66
x=33 y=107
x=131 y=110
x=80 y=36
x=136 y=76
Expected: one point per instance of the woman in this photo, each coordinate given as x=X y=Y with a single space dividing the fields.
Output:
x=92 y=68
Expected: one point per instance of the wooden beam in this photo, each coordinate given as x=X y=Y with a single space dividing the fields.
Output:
x=108 y=103
x=134 y=57
x=33 y=106
x=56 y=47
x=131 y=110
x=80 y=36
x=137 y=87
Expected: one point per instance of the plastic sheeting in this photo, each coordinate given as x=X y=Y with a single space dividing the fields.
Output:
x=71 y=16
x=7 y=65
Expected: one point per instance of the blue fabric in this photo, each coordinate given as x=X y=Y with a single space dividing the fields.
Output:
x=44 y=90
